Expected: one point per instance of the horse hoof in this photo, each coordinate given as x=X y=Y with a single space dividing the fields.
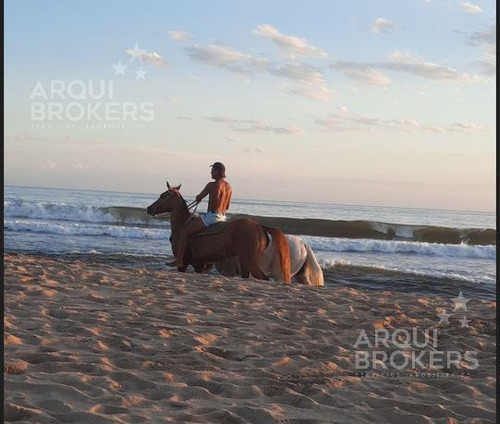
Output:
x=181 y=268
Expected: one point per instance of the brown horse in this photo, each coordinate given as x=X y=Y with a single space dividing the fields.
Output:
x=243 y=238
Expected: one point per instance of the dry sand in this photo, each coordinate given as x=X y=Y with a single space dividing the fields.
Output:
x=96 y=343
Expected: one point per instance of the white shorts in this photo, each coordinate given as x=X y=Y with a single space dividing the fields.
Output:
x=211 y=218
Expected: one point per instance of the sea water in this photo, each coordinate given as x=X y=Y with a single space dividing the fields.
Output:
x=114 y=225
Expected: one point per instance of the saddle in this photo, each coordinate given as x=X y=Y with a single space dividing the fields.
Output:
x=212 y=229
x=208 y=231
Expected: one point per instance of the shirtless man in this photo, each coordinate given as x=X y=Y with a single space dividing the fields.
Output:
x=219 y=193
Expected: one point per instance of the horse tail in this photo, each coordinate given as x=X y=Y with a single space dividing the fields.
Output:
x=312 y=268
x=282 y=250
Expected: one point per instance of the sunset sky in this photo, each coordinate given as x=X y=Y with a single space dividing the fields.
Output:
x=387 y=103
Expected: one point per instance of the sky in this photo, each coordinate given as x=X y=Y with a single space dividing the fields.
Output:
x=384 y=103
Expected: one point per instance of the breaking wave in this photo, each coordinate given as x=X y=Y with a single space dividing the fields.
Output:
x=82 y=229
x=408 y=247
x=127 y=216
x=82 y=213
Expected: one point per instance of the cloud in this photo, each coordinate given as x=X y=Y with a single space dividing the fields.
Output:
x=257 y=127
x=312 y=92
x=225 y=57
x=473 y=9
x=299 y=72
x=487 y=36
x=344 y=121
x=254 y=126
x=381 y=25
x=362 y=72
x=82 y=166
x=50 y=165
x=400 y=62
x=154 y=59
x=290 y=44
x=225 y=119
x=486 y=41
x=150 y=58
x=311 y=81
x=179 y=36
x=22 y=138
x=465 y=128
x=487 y=66
x=404 y=62
x=255 y=150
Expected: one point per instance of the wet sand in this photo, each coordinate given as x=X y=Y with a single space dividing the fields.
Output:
x=94 y=342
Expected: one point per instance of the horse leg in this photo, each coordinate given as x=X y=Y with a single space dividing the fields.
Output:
x=245 y=273
x=250 y=267
x=199 y=268
x=302 y=277
x=257 y=272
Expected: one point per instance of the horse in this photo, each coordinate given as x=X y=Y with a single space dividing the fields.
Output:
x=244 y=238
x=304 y=267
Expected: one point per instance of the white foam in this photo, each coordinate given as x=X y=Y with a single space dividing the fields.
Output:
x=66 y=212
x=83 y=229
x=332 y=263
x=409 y=247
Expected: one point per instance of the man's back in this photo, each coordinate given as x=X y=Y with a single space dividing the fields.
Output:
x=219 y=196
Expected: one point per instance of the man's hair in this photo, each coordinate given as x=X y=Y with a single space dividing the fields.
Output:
x=220 y=167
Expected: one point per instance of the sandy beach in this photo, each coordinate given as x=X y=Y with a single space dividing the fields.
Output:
x=97 y=343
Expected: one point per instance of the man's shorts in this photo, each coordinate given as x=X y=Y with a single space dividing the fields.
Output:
x=211 y=218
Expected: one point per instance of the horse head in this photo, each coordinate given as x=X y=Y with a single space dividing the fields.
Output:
x=169 y=200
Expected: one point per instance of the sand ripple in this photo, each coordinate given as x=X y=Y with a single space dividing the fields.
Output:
x=87 y=342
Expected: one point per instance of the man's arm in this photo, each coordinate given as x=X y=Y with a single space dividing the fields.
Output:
x=229 y=197
x=204 y=192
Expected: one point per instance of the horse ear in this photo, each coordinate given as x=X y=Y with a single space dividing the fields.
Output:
x=178 y=187
x=168 y=185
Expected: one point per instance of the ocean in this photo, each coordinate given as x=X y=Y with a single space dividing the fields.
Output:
x=385 y=248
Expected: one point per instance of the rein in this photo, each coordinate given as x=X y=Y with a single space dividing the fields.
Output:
x=165 y=214
x=195 y=204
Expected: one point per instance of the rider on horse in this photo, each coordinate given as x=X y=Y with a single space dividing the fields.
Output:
x=219 y=192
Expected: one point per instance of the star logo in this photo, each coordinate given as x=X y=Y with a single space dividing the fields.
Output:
x=141 y=73
x=460 y=302
x=136 y=53
x=120 y=68
x=465 y=322
x=443 y=317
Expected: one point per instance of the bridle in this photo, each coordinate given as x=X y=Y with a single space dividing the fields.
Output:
x=193 y=203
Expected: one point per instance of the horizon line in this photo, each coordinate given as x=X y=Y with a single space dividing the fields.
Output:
x=265 y=200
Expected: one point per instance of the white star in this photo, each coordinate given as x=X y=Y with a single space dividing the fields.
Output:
x=443 y=317
x=120 y=68
x=465 y=322
x=140 y=74
x=460 y=302
x=135 y=53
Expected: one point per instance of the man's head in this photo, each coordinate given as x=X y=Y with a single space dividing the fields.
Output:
x=218 y=170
